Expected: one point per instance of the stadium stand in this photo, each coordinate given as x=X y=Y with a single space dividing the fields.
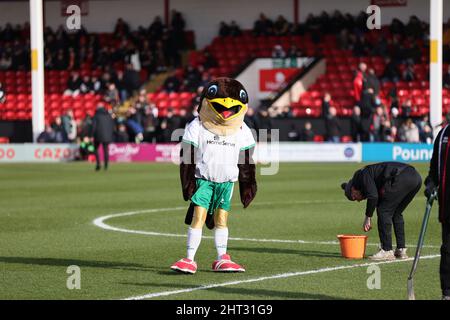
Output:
x=397 y=54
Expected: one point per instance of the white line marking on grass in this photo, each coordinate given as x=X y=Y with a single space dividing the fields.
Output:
x=100 y=222
x=276 y=276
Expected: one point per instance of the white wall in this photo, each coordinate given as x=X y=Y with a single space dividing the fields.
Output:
x=103 y=14
x=420 y=8
x=204 y=16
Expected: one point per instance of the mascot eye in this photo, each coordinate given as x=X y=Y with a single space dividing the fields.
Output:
x=243 y=96
x=212 y=91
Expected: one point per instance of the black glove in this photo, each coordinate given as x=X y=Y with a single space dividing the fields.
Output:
x=430 y=187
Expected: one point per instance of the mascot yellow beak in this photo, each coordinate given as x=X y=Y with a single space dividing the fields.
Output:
x=227 y=108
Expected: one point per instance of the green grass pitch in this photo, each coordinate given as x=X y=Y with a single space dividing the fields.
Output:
x=46 y=225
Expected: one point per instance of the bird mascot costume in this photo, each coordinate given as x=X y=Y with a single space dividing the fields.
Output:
x=216 y=151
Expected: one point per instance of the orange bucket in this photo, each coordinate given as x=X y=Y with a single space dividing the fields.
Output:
x=353 y=246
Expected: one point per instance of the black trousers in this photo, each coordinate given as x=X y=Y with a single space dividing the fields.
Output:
x=105 y=153
x=397 y=195
x=445 y=259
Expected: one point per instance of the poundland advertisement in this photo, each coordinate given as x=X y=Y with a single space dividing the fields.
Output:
x=403 y=152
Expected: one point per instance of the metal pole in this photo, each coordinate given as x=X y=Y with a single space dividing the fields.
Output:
x=37 y=66
x=436 y=20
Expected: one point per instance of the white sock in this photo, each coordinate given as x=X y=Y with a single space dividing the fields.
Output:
x=193 y=242
x=221 y=240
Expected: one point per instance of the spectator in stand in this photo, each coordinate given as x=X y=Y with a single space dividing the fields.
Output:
x=73 y=85
x=343 y=39
x=120 y=85
x=192 y=79
x=102 y=134
x=70 y=125
x=356 y=125
x=446 y=78
x=293 y=134
x=278 y=52
x=235 y=30
x=292 y=54
x=167 y=125
x=224 y=29
x=86 y=85
x=122 y=134
x=426 y=134
x=112 y=95
x=5 y=61
x=263 y=26
x=286 y=113
x=47 y=136
x=326 y=104
x=281 y=27
x=134 y=123
x=378 y=121
x=409 y=73
x=59 y=131
x=359 y=81
x=72 y=63
x=414 y=28
x=367 y=103
x=178 y=24
x=250 y=119
x=131 y=79
x=264 y=125
x=60 y=62
x=391 y=72
x=307 y=134
x=389 y=132
x=332 y=126
x=156 y=28
x=183 y=118
x=2 y=94
x=150 y=123
x=395 y=119
x=360 y=47
x=209 y=61
x=409 y=132
x=373 y=82
x=121 y=29
x=96 y=85
x=406 y=108
x=172 y=84
x=206 y=78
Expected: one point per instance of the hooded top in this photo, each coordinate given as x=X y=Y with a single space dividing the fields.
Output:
x=370 y=180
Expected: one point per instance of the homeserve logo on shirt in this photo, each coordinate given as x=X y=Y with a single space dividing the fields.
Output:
x=411 y=154
x=216 y=141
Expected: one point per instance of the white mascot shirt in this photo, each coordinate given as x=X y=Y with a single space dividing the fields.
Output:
x=217 y=156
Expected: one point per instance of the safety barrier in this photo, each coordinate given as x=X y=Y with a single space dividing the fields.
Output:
x=266 y=153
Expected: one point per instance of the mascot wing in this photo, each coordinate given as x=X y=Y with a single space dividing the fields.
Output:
x=247 y=177
x=187 y=170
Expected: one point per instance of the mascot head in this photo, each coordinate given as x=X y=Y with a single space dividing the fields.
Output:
x=223 y=105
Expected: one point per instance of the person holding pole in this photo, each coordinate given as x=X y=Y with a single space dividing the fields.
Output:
x=438 y=179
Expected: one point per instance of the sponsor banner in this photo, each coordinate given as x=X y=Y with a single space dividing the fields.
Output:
x=390 y=3
x=30 y=152
x=308 y=152
x=273 y=79
x=144 y=152
x=403 y=152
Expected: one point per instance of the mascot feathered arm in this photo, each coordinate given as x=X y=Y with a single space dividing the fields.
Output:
x=247 y=177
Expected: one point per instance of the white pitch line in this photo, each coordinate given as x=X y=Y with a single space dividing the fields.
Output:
x=276 y=276
x=100 y=222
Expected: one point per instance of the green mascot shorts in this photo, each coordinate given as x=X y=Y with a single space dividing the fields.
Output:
x=213 y=195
